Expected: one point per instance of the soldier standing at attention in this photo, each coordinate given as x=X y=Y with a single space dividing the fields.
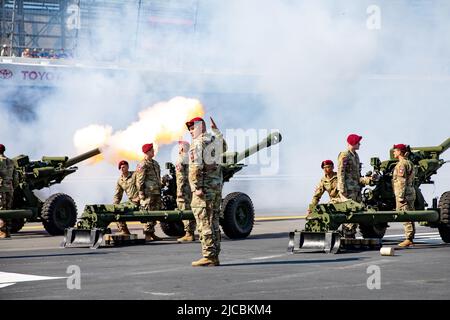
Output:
x=205 y=178
x=328 y=183
x=126 y=183
x=184 y=194
x=349 y=178
x=8 y=181
x=148 y=182
x=403 y=186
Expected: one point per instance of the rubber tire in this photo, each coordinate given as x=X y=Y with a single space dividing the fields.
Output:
x=173 y=229
x=376 y=231
x=444 y=226
x=15 y=225
x=231 y=209
x=49 y=212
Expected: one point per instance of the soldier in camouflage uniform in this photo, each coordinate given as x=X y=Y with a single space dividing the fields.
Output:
x=349 y=178
x=328 y=183
x=403 y=186
x=126 y=183
x=8 y=181
x=148 y=182
x=184 y=194
x=205 y=178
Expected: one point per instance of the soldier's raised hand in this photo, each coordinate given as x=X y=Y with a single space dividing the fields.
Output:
x=213 y=124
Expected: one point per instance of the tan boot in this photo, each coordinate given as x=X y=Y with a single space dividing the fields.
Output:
x=406 y=243
x=123 y=228
x=150 y=236
x=4 y=234
x=187 y=237
x=206 y=262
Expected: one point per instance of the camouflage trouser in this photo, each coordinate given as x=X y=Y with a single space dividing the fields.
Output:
x=153 y=202
x=218 y=203
x=350 y=228
x=207 y=223
x=409 y=227
x=6 y=200
x=189 y=225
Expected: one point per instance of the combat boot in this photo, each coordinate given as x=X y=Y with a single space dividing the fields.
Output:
x=123 y=228
x=206 y=262
x=4 y=234
x=406 y=243
x=150 y=236
x=187 y=237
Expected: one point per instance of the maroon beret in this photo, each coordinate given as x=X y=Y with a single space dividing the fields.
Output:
x=191 y=122
x=326 y=163
x=147 y=147
x=121 y=163
x=402 y=147
x=2 y=148
x=353 y=139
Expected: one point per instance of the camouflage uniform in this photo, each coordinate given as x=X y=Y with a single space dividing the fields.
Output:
x=128 y=185
x=350 y=182
x=405 y=194
x=148 y=182
x=329 y=185
x=221 y=143
x=184 y=194
x=205 y=173
x=8 y=180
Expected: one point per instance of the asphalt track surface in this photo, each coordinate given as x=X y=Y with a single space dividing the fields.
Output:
x=33 y=266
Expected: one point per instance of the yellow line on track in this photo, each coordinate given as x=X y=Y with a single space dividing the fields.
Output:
x=273 y=218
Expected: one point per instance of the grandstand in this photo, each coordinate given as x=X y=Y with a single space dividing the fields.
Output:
x=56 y=24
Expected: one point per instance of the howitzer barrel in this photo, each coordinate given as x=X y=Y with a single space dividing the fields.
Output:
x=15 y=214
x=440 y=148
x=272 y=139
x=387 y=216
x=82 y=157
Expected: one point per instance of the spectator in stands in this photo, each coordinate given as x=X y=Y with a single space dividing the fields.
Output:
x=62 y=54
x=4 y=52
x=35 y=53
x=52 y=54
x=26 y=53
x=43 y=54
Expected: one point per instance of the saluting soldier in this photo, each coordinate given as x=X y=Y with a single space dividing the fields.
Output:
x=148 y=182
x=222 y=145
x=184 y=194
x=349 y=178
x=403 y=185
x=205 y=178
x=126 y=183
x=328 y=184
x=8 y=181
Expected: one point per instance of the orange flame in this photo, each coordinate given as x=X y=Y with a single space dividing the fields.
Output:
x=163 y=123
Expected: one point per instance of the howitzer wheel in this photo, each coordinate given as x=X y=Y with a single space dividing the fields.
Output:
x=59 y=212
x=173 y=228
x=15 y=225
x=238 y=215
x=444 y=225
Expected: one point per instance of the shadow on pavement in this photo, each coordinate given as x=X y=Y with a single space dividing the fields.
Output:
x=290 y=262
x=277 y=235
x=54 y=255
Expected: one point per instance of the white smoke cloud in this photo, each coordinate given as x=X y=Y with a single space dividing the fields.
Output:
x=311 y=69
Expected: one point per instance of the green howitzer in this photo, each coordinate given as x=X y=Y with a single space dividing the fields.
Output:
x=378 y=206
x=57 y=212
x=237 y=207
